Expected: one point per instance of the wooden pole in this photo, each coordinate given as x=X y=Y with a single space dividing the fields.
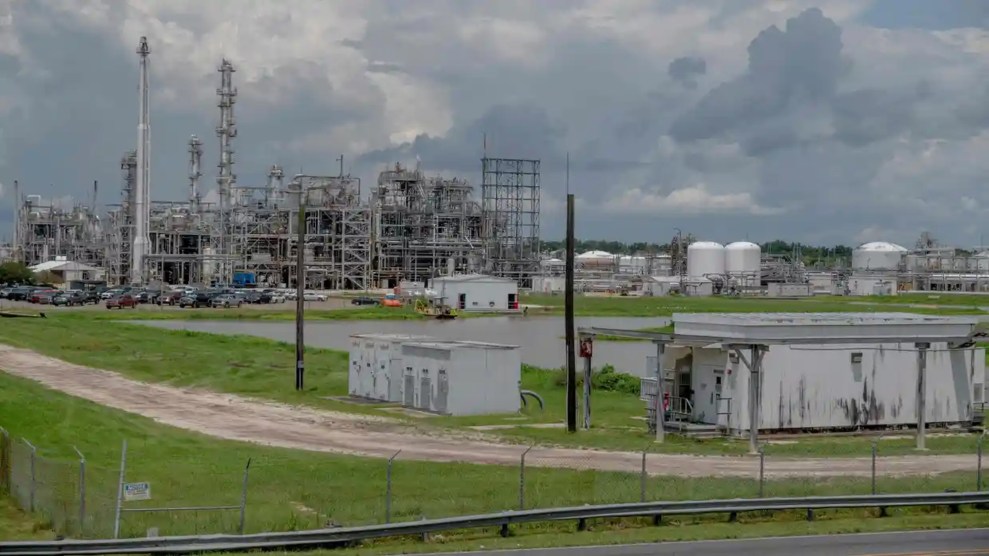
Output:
x=300 y=289
x=571 y=355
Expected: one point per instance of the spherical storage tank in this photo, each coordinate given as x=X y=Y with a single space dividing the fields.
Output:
x=705 y=258
x=878 y=255
x=744 y=259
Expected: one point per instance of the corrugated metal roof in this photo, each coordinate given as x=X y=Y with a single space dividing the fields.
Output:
x=471 y=278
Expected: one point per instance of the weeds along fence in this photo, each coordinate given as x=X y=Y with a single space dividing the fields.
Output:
x=190 y=492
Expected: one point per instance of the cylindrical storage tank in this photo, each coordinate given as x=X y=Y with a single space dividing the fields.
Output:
x=705 y=258
x=595 y=260
x=878 y=256
x=743 y=260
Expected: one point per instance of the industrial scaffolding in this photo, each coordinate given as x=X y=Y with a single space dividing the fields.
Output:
x=510 y=212
x=408 y=227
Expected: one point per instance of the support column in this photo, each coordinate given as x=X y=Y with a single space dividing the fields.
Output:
x=922 y=348
x=660 y=392
x=755 y=397
x=755 y=391
x=586 y=351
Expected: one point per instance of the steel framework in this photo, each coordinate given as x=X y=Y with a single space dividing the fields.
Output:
x=510 y=210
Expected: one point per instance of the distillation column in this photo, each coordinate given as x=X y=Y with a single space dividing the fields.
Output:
x=195 y=159
x=226 y=131
x=142 y=212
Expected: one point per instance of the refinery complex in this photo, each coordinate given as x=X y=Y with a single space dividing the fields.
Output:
x=408 y=227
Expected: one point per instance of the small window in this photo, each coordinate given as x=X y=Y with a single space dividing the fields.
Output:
x=733 y=357
x=857 y=357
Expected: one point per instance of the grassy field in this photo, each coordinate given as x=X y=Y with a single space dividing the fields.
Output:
x=296 y=490
x=17 y=525
x=617 y=306
x=262 y=368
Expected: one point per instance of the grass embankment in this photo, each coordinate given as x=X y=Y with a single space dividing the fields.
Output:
x=262 y=368
x=17 y=525
x=618 y=306
x=295 y=489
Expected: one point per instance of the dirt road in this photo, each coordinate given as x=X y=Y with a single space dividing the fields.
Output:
x=251 y=420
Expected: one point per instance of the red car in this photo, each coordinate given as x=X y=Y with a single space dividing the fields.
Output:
x=42 y=297
x=121 y=301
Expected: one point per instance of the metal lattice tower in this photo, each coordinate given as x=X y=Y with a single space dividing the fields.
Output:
x=195 y=163
x=226 y=131
x=142 y=187
x=510 y=211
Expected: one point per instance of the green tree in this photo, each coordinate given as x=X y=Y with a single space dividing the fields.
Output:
x=15 y=273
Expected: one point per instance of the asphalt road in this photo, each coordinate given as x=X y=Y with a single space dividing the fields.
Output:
x=961 y=542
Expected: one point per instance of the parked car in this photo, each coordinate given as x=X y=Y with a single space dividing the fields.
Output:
x=111 y=293
x=226 y=301
x=42 y=296
x=364 y=300
x=313 y=296
x=20 y=293
x=171 y=298
x=187 y=301
x=69 y=299
x=121 y=301
x=92 y=296
x=5 y=292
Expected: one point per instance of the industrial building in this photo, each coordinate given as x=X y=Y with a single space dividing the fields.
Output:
x=74 y=275
x=438 y=376
x=476 y=292
x=817 y=372
x=406 y=226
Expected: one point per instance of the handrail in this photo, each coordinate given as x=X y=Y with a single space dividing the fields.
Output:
x=339 y=536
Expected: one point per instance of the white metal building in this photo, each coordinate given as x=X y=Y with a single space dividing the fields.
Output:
x=376 y=369
x=441 y=376
x=70 y=271
x=477 y=292
x=822 y=378
x=461 y=378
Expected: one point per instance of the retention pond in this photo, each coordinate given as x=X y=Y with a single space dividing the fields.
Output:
x=540 y=338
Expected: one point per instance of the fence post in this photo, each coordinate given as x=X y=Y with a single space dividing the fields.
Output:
x=762 y=470
x=522 y=479
x=874 y=449
x=120 y=489
x=34 y=453
x=642 y=479
x=82 y=490
x=5 y=468
x=978 y=471
x=243 y=496
x=391 y=460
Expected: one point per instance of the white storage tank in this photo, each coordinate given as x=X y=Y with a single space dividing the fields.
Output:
x=705 y=258
x=601 y=260
x=743 y=261
x=878 y=255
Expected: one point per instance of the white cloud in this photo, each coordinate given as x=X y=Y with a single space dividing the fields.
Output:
x=694 y=200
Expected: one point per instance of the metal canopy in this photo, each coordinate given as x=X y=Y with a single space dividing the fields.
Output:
x=758 y=331
x=768 y=329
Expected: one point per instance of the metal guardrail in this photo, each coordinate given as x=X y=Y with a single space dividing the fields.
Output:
x=324 y=538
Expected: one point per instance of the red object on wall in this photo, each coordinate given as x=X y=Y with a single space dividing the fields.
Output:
x=666 y=401
x=586 y=347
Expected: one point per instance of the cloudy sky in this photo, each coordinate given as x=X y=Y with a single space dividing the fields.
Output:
x=822 y=121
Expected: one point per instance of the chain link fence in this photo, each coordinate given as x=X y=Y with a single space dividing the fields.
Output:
x=282 y=490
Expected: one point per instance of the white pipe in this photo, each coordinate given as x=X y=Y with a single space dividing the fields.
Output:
x=142 y=213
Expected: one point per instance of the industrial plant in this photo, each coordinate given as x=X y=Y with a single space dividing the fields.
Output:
x=406 y=227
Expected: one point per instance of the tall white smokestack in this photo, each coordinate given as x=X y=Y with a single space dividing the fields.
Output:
x=142 y=212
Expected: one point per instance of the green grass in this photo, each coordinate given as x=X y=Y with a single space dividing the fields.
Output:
x=296 y=489
x=15 y=524
x=262 y=368
x=667 y=305
x=238 y=364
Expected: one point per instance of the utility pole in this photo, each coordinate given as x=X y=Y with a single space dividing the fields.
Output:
x=568 y=302
x=300 y=283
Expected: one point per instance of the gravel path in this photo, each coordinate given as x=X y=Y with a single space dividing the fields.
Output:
x=251 y=420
